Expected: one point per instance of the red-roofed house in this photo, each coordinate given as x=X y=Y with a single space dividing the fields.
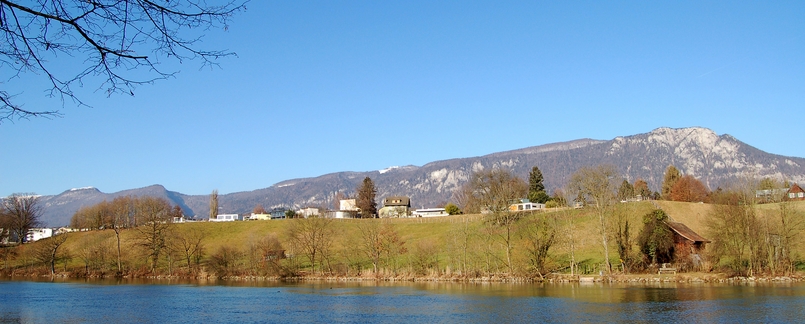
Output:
x=796 y=193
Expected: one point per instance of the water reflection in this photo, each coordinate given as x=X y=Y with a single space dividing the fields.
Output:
x=266 y=301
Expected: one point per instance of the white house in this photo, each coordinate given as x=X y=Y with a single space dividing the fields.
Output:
x=347 y=205
x=65 y=230
x=395 y=206
x=308 y=211
x=347 y=208
x=36 y=234
x=525 y=206
x=262 y=216
x=226 y=218
x=345 y=214
x=430 y=212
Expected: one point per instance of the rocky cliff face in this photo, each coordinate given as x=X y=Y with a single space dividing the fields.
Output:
x=714 y=159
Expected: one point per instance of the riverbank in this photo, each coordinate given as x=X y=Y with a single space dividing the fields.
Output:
x=696 y=277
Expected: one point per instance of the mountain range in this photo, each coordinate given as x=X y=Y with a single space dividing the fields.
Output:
x=714 y=159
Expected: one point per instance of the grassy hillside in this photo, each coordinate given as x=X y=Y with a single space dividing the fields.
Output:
x=432 y=246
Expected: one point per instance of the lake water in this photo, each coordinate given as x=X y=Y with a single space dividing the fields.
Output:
x=128 y=301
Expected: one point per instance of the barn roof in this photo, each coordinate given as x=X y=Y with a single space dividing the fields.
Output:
x=686 y=232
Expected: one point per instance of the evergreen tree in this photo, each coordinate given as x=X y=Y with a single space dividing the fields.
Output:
x=536 y=190
x=366 y=198
x=671 y=176
x=625 y=191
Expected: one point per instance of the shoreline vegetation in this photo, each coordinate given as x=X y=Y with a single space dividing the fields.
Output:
x=462 y=249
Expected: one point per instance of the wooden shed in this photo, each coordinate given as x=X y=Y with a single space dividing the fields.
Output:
x=688 y=246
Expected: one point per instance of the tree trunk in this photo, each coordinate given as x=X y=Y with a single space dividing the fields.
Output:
x=117 y=235
x=606 y=243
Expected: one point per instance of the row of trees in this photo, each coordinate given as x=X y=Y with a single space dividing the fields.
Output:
x=124 y=212
x=150 y=217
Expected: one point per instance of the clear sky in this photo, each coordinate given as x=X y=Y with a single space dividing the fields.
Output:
x=329 y=86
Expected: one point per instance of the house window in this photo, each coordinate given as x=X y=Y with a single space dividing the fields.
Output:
x=801 y=194
x=791 y=195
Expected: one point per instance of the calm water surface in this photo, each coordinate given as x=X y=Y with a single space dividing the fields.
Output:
x=195 y=302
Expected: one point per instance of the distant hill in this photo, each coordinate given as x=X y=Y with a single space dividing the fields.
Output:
x=697 y=151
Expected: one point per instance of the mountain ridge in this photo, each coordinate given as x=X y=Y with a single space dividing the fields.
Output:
x=714 y=159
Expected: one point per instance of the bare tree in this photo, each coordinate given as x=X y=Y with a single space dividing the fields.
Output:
x=425 y=256
x=122 y=215
x=495 y=190
x=122 y=43
x=90 y=217
x=393 y=245
x=151 y=235
x=463 y=197
x=117 y=215
x=22 y=212
x=598 y=184
x=459 y=247
x=190 y=244
x=93 y=250
x=266 y=254
x=314 y=235
x=48 y=251
x=737 y=231
x=371 y=243
x=227 y=261
x=569 y=229
x=539 y=233
x=7 y=254
x=790 y=228
x=381 y=243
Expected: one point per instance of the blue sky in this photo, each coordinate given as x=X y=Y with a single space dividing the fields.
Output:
x=329 y=86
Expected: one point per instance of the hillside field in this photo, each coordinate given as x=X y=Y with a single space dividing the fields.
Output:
x=435 y=239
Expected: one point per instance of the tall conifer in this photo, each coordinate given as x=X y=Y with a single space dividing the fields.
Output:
x=366 y=198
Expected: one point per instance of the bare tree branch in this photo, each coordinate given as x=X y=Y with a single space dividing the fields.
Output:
x=120 y=42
